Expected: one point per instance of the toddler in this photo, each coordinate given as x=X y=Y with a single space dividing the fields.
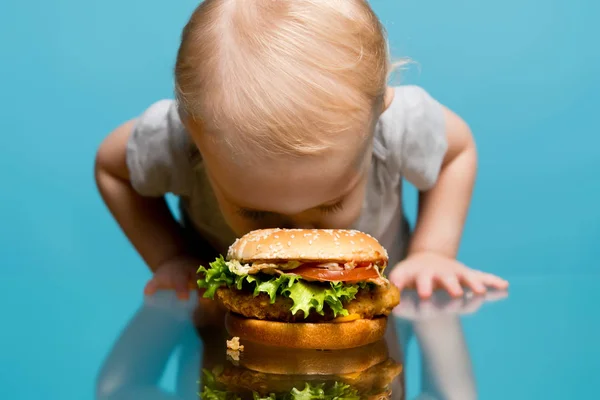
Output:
x=283 y=118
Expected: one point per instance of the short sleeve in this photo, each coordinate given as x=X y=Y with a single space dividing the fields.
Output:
x=158 y=152
x=422 y=137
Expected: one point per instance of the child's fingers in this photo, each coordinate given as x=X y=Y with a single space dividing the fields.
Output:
x=474 y=282
x=452 y=285
x=399 y=278
x=496 y=295
x=182 y=287
x=493 y=281
x=424 y=285
x=151 y=287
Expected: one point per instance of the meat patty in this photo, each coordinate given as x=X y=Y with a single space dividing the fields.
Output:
x=368 y=303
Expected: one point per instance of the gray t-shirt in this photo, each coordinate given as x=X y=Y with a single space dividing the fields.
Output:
x=409 y=142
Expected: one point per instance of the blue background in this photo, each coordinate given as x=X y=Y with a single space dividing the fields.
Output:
x=524 y=74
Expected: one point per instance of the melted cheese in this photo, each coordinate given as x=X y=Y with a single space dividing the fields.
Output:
x=351 y=376
x=347 y=318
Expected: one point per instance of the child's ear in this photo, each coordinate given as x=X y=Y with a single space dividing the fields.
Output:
x=388 y=97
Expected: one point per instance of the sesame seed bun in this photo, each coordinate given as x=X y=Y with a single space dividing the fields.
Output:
x=322 y=336
x=322 y=245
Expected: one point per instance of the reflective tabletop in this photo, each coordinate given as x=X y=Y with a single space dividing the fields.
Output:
x=537 y=341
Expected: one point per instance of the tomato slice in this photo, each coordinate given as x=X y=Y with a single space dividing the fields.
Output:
x=347 y=275
x=326 y=265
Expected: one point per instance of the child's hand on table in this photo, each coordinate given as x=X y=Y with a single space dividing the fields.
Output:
x=427 y=271
x=178 y=274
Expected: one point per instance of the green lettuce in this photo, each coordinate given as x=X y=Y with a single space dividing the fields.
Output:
x=335 y=391
x=306 y=296
x=211 y=390
x=338 y=391
x=214 y=394
x=256 y=396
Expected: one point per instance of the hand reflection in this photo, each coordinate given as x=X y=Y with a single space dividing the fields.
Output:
x=412 y=307
x=446 y=370
x=162 y=328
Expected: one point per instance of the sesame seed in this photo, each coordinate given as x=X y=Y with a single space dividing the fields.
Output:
x=289 y=243
x=310 y=242
x=293 y=236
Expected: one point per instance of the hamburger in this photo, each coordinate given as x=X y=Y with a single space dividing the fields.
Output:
x=264 y=372
x=297 y=288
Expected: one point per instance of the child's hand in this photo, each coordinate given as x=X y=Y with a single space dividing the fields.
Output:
x=178 y=274
x=428 y=271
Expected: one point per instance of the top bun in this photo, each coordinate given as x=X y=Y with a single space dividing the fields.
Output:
x=322 y=245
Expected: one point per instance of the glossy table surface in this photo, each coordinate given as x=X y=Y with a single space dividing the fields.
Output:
x=523 y=74
x=538 y=341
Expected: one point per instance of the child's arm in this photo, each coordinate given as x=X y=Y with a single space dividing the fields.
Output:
x=442 y=212
x=146 y=221
x=443 y=209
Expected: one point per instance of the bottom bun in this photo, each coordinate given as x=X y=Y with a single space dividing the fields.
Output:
x=319 y=336
x=277 y=361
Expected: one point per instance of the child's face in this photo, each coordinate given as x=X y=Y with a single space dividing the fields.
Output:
x=321 y=191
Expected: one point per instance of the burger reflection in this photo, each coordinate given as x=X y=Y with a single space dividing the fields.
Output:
x=170 y=337
x=178 y=351
x=264 y=372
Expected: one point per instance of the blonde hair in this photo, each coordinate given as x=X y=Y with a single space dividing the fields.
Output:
x=284 y=76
